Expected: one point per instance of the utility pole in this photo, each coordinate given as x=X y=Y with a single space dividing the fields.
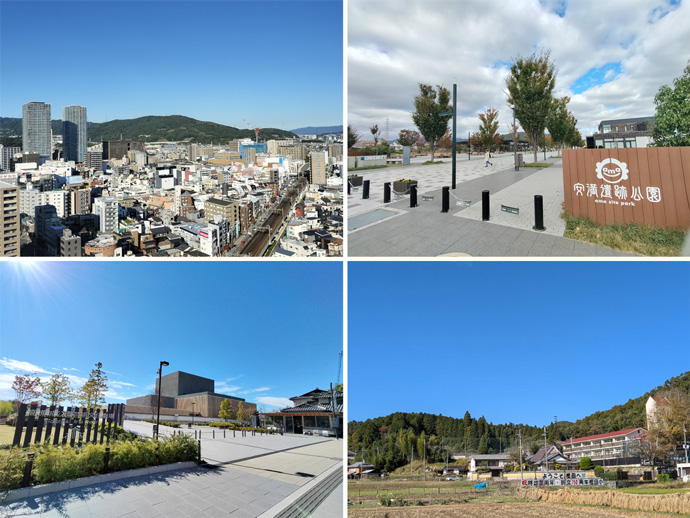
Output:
x=424 y=464
x=520 y=437
x=412 y=461
x=546 y=457
x=685 y=444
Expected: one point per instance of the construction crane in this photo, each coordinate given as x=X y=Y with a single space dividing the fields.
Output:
x=256 y=130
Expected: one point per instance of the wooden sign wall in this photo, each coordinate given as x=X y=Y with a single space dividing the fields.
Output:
x=648 y=186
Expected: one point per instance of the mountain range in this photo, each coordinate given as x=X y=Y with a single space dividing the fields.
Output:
x=318 y=130
x=153 y=128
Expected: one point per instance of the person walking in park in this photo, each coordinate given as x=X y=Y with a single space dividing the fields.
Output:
x=487 y=155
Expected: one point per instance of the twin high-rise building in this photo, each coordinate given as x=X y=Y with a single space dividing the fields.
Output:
x=74 y=133
x=36 y=134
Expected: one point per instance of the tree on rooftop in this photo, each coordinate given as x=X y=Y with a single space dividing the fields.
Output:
x=429 y=105
x=26 y=388
x=672 y=124
x=530 y=85
x=92 y=393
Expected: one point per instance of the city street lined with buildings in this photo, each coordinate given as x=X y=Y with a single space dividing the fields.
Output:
x=168 y=199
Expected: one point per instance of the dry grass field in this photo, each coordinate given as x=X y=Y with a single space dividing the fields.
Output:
x=497 y=510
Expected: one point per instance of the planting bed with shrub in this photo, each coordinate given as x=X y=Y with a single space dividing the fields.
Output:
x=58 y=463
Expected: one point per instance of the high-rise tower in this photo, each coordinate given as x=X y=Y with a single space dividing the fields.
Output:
x=36 y=137
x=74 y=133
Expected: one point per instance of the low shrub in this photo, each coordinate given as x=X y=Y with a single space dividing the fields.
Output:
x=235 y=426
x=172 y=424
x=663 y=478
x=58 y=463
x=385 y=501
x=11 y=468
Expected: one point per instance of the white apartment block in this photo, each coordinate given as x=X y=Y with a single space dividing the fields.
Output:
x=107 y=211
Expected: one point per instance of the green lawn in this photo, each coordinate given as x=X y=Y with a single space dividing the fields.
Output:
x=633 y=238
x=6 y=434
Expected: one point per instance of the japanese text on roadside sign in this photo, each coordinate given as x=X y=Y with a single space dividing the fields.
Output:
x=612 y=171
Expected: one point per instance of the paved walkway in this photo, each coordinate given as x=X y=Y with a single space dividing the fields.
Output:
x=262 y=486
x=395 y=229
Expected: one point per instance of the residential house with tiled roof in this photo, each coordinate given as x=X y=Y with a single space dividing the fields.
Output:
x=312 y=413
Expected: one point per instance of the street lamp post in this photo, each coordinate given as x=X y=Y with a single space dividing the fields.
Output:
x=160 y=377
x=193 y=403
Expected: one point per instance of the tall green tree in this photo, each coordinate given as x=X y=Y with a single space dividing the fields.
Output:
x=429 y=105
x=488 y=129
x=530 y=86
x=672 y=124
x=92 y=393
x=352 y=136
x=225 y=410
x=559 y=123
x=57 y=389
x=241 y=416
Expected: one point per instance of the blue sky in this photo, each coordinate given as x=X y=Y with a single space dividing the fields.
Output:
x=274 y=63
x=513 y=341
x=610 y=57
x=263 y=331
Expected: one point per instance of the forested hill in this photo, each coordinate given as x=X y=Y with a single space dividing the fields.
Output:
x=479 y=435
x=154 y=128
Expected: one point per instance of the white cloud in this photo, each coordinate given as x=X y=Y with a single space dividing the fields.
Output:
x=21 y=366
x=224 y=388
x=279 y=402
x=395 y=44
x=120 y=384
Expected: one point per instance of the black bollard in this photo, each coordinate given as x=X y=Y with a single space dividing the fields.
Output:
x=365 y=190
x=348 y=187
x=26 y=481
x=223 y=433
x=387 y=192
x=485 y=205
x=445 y=202
x=106 y=459
x=538 y=213
x=199 y=450
x=413 y=196
x=214 y=434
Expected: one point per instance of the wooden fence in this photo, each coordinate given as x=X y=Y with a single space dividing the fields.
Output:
x=73 y=425
x=648 y=186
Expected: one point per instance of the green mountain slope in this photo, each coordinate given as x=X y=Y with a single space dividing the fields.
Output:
x=155 y=128
x=478 y=434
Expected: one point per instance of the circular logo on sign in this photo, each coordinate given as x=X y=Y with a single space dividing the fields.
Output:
x=612 y=171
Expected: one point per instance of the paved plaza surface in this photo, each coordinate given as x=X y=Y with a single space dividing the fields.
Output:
x=245 y=477
x=395 y=229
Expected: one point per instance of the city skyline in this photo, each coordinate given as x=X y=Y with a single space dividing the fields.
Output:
x=516 y=342
x=610 y=59
x=225 y=326
x=232 y=69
